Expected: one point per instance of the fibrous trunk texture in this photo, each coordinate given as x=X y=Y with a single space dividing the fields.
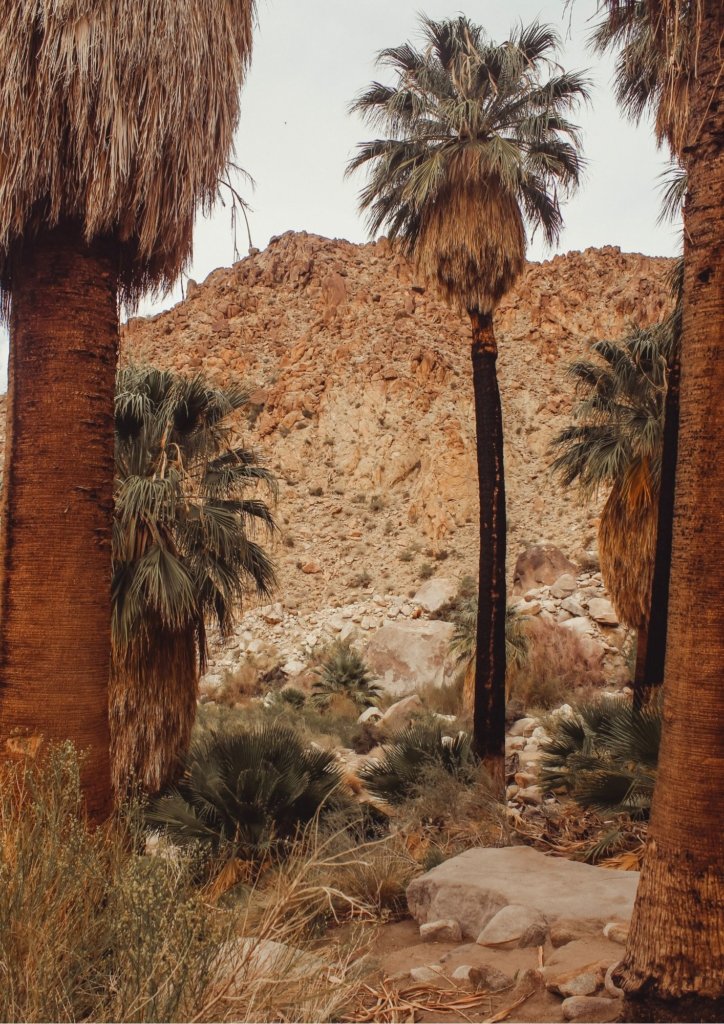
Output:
x=58 y=504
x=674 y=964
x=653 y=668
x=489 y=711
x=154 y=687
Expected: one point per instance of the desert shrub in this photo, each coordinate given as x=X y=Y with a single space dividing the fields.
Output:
x=395 y=776
x=240 y=683
x=360 y=580
x=90 y=930
x=292 y=696
x=557 y=664
x=376 y=503
x=247 y=793
x=344 y=673
x=604 y=755
x=406 y=555
x=425 y=571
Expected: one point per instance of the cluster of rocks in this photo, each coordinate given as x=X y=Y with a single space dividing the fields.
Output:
x=504 y=899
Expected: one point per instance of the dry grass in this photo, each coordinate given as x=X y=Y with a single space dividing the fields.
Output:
x=557 y=665
x=91 y=928
x=159 y=82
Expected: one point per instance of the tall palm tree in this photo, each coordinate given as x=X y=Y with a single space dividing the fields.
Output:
x=478 y=145
x=184 y=555
x=616 y=442
x=654 y=70
x=674 y=962
x=116 y=122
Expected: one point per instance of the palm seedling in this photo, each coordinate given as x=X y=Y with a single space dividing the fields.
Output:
x=343 y=673
x=247 y=794
x=412 y=752
x=477 y=145
x=185 y=553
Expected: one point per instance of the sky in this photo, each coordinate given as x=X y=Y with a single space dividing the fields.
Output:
x=295 y=136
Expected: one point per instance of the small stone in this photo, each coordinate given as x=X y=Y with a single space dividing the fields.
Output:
x=426 y=974
x=441 y=931
x=483 y=977
x=572 y=606
x=602 y=611
x=311 y=568
x=514 y=926
x=400 y=714
x=293 y=667
x=514 y=743
x=564 y=585
x=531 y=795
x=565 y=931
x=585 y=984
x=616 y=931
x=591 y=1009
x=581 y=625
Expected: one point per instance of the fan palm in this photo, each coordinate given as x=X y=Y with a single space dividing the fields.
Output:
x=344 y=673
x=617 y=442
x=246 y=793
x=184 y=555
x=462 y=645
x=653 y=72
x=604 y=755
x=478 y=145
x=398 y=773
x=116 y=123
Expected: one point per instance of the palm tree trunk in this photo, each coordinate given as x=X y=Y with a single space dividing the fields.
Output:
x=652 y=671
x=154 y=689
x=489 y=711
x=58 y=504
x=674 y=963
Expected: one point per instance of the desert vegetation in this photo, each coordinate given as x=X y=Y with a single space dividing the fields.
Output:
x=219 y=805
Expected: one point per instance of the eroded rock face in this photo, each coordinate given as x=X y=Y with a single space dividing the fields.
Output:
x=474 y=886
x=362 y=387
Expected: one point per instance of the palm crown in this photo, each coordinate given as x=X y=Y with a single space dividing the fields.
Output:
x=478 y=144
x=183 y=547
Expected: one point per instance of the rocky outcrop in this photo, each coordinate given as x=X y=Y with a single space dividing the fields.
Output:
x=361 y=399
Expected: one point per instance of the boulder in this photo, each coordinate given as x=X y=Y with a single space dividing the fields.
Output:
x=515 y=926
x=441 y=931
x=564 y=585
x=435 y=594
x=601 y=611
x=475 y=885
x=401 y=714
x=370 y=715
x=540 y=565
x=426 y=975
x=245 y=959
x=407 y=656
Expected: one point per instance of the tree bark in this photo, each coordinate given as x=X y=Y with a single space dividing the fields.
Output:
x=55 y=597
x=489 y=711
x=652 y=671
x=674 y=963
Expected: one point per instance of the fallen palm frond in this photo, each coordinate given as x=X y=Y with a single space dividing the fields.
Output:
x=390 y=1004
x=575 y=834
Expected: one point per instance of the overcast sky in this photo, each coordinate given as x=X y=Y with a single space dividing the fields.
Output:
x=295 y=137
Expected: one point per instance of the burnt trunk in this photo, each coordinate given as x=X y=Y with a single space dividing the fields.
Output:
x=58 y=504
x=674 y=963
x=489 y=709
x=652 y=671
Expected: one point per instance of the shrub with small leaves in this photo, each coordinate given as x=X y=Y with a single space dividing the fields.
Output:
x=344 y=673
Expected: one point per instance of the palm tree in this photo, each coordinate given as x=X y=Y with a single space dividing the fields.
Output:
x=183 y=557
x=616 y=442
x=650 y=76
x=462 y=646
x=116 y=123
x=653 y=75
x=478 y=145
x=674 y=962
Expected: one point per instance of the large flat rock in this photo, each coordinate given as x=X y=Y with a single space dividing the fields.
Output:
x=408 y=656
x=472 y=887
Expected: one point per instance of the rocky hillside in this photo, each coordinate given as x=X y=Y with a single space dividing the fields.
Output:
x=362 y=400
